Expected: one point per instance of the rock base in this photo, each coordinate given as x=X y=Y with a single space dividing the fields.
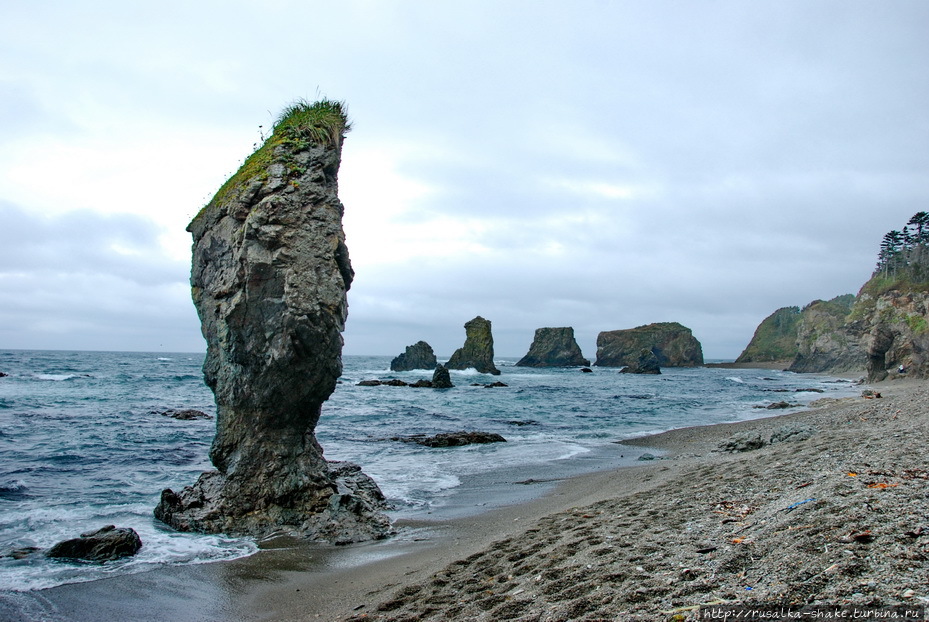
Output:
x=347 y=508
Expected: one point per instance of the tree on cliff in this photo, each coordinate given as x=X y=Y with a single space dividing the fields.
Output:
x=903 y=258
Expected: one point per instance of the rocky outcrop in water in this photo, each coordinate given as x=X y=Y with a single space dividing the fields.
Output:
x=645 y=363
x=554 y=347
x=478 y=349
x=106 y=544
x=441 y=379
x=673 y=344
x=775 y=339
x=417 y=356
x=269 y=280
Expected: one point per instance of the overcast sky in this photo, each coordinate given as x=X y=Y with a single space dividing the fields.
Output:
x=592 y=164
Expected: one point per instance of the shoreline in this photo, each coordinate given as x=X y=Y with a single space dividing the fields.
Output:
x=294 y=580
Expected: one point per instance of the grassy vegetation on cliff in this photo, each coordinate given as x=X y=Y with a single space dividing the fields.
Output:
x=775 y=339
x=299 y=125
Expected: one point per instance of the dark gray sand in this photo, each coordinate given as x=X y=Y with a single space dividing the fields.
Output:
x=839 y=517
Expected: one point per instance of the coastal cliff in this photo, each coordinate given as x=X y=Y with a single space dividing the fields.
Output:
x=775 y=339
x=478 y=348
x=885 y=328
x=269 y=278
x=554 y=347
x=673 y=345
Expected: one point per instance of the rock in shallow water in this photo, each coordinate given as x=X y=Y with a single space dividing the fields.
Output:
x=105 y=544
x=269 y=279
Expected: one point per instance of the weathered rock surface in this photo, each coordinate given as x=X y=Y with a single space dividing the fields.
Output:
x=478 y=349
x=417 y=356
x=645 y=363
x=452 y=439
x=554 y=347
x=185 y=414
x=775 y=339
x=441 y=379
x=823 y=342
x=673 y=344
x=106 y=544
x=269 y=279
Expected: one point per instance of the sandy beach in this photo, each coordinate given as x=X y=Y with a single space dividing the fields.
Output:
x=832 y=508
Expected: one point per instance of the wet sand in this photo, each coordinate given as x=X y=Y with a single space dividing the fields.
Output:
x=839 y=517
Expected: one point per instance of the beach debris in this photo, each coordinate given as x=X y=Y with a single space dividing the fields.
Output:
x=868 y=394
x=707 y=549
x=791 y=508
x=106 y=544
x=861 y=536
x=881 y=485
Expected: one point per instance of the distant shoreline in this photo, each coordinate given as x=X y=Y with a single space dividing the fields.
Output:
x=775 y=365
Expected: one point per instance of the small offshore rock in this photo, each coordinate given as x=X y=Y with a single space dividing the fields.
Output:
x=645 y=363
x=553 y=347
x=647 y=457
x=3 y=375
x=422 y=383
x=22 y=552
x=441 y=378
x=586 y=370
x=106 y=544
x=417 y=356
x=186 y=414
x=478 y=348
x=452 y=439
x=369 y=383
x=779 y=405
x=495 y=384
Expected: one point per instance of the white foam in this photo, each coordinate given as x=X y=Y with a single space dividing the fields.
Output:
x=55 y=377
x=735 y=379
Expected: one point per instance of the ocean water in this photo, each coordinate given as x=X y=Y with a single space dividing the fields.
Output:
x=82 y=443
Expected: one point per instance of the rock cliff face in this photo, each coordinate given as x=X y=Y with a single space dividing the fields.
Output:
x=823 y=340
x=269 y=277
x=554 y=347
x=417 y=356
x=478 y=349
x=775 y=339
x=892 y=330
x=673 y=344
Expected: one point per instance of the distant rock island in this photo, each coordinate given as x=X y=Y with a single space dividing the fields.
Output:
x=417 y=356
x=672 y=344
x=478 y=349
x=554 y=347
x=269 y=278
x=883 y=331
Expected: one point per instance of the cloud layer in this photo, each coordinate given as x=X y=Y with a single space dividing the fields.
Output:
x=604 y=167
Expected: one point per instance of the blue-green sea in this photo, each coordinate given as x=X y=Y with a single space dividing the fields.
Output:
x=82 y=443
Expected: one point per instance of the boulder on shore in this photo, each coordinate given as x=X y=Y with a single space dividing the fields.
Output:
x=417 y=356
x=106 y=544
x=672 y=343
x=269 y=278
x=554 y=347
x=478 y=349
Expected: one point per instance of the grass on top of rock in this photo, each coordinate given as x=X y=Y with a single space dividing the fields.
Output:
x=299 y=125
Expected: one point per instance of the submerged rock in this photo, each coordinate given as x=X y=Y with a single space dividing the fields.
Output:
x=269 y=279
x=187 y=414
x=554 y=347
x=452 y=439
x=106 y=544
x=417 y=356
x=478 y=349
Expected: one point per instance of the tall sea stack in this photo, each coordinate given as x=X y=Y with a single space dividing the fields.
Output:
x=478 y=348
x=269 y=280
